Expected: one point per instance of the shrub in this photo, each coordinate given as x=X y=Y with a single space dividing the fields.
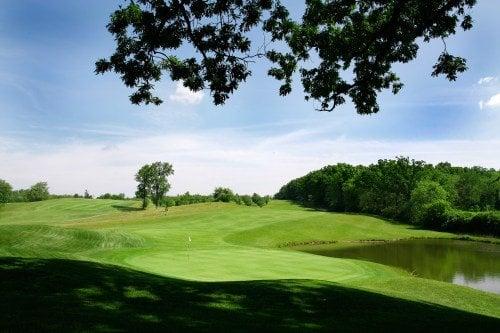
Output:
x=223 y=194
x=258 y=200
x=237 y=199
x=439 y=215
x=435 y=214
x=247 y=200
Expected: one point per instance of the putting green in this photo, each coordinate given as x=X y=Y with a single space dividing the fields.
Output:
x=218 y=242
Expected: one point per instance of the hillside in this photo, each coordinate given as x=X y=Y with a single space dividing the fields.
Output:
x=137 y=262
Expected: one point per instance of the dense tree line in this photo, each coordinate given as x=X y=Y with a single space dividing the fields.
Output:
x=441 y=196
x=37 y=192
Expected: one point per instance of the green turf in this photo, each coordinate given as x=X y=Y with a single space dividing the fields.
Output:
x=234 y=273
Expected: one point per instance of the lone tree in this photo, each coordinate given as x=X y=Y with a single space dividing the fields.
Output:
x=159 y=184
x=152 y=179
x=334 y=40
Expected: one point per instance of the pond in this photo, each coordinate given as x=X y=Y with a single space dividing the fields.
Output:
x=467 y=263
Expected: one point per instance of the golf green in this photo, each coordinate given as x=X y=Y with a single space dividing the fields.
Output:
x=76 y=264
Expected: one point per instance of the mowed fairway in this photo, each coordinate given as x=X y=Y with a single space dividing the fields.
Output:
x=75 y=264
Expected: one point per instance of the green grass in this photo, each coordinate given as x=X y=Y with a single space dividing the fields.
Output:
x=137 y=269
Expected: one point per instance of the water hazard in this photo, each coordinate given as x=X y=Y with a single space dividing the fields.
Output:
x=467 y=263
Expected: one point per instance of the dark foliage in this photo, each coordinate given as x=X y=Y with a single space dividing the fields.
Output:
x=359 y=37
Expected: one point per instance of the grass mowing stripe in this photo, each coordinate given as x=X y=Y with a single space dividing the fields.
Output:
x=229 y=243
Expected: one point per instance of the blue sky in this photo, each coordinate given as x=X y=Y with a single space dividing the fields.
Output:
x=61 y=123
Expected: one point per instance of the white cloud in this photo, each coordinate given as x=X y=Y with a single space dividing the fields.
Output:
x=487 y=80
x=245 y=162
x=492 y=103
x=184 y=95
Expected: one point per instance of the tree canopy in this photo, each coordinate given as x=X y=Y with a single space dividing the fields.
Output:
x=333 y=41
x=153 y=182
x=38 y=192
x=441 y=196
x=5 y=191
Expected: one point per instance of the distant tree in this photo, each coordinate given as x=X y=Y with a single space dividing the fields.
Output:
x=87 y=195
x=332 y=41
x=144 y=177
x=152 y=179
x=223 y=194
x=5 y=191
x=38 y=192
x=159 y=183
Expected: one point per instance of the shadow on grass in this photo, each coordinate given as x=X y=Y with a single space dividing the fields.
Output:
x=126 y=208
x=65 y=295
x=380 y=217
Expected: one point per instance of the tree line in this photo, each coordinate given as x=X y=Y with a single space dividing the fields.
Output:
x=442 y=196
x=220 y=194
x=37 y=192
x=153 y=185
x=40 y=192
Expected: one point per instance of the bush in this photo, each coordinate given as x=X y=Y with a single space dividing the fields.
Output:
x=435 y=214
x=247 y=200
x=237 y=199
x=223 y=194
x=440 y=216
x=258 y=200
x=168 y=202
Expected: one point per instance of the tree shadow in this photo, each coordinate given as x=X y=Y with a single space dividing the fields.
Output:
x=126 y=208
x=66 y=295
x=379 y=217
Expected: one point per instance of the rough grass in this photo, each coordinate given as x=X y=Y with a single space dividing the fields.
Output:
x=233 y=274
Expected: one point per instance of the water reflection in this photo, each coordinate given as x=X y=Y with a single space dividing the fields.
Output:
x=472 y=264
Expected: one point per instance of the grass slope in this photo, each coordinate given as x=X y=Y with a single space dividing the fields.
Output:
x=237 y=247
